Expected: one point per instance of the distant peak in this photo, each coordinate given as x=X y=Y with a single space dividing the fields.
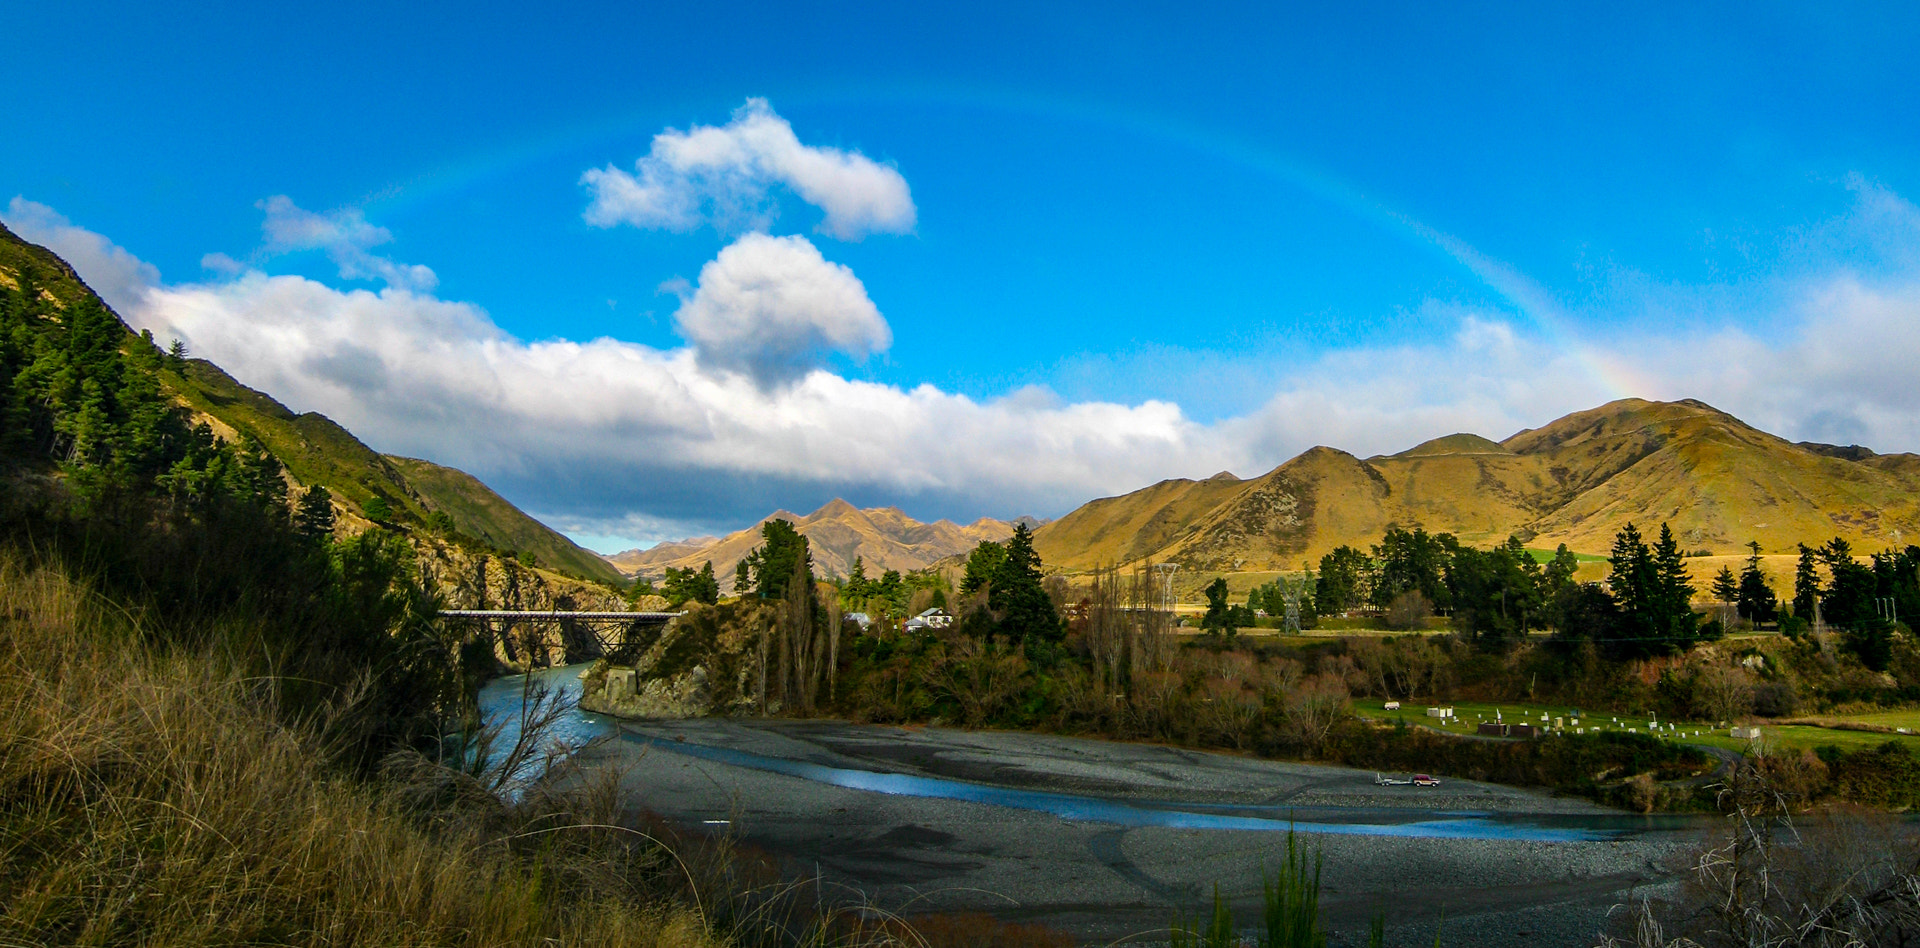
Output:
x=1461 y=443
x=1223 y=476
x=833 y=508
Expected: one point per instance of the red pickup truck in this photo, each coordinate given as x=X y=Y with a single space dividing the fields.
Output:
x=1422 y=780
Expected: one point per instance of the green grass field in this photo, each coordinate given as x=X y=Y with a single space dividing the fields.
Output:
x=1544 y=557
x=1469 y=714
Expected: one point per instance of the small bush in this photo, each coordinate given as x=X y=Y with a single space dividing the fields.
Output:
x=1775 y=699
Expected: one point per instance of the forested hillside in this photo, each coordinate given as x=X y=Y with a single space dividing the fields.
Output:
x=310 y=448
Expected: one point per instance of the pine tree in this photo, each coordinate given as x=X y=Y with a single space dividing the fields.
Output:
x=314 y=518
x=1216 y=621
x=771 y=564
x=1756 y=599
x=1559 y=572
x=1631 y=577
x=706 y=588
x=854 y=591
x=1674 y=619
x=1725 y=587
x=1025 y=611
x=1806 y=586
x=982 y=564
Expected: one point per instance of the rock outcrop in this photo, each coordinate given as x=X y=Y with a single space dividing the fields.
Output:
x=707 y=662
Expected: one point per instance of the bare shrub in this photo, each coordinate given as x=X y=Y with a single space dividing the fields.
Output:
x=1724 y=692
x=1775 y=699
x=1408 y=611
x=1839 y=877
x=981 y=678
x=1313 y=708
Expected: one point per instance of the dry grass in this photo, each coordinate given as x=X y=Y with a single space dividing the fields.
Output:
x=155 y=798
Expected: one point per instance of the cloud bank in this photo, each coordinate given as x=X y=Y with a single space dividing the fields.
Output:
x=617 y=439
x=723 y=175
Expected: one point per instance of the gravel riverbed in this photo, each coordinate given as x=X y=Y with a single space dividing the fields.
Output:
x=1108 y=878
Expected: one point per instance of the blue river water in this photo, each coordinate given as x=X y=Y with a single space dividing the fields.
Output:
x=501 y=700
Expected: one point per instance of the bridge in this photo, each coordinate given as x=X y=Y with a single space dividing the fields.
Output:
x=607 y=630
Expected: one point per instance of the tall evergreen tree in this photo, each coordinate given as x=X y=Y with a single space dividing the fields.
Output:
x=1806 y=585
x=1216 y=621
x=1756 y=598
x=771 y=563
x=1026 y=613
x=314 y=518
x=1674 y=618
x=1559 y=572
x=1653 y=594
x=1725 y=588
x=982 y=564
x=1345 y=580
x=854 y=591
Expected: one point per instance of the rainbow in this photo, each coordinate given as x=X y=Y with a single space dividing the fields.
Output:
x=1532 y=302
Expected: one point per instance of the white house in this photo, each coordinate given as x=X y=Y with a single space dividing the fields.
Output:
x=934 y=618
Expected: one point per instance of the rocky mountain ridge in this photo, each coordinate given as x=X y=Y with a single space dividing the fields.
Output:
x=882 y=537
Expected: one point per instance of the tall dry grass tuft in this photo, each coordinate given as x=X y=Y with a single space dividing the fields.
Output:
x=154 y=797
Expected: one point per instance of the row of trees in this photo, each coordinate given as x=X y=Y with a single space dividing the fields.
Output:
x=894 y=593
x=1414 y=561
x=1496 y=596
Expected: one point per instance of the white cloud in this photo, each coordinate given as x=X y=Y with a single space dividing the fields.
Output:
x=768 y=307
x=346 y=237
x=118 y=276
x=722 y=175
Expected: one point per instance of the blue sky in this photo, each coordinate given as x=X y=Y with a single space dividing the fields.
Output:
x=1111 y=244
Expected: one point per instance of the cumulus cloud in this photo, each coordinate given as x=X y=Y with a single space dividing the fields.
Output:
x=608 y=438
x=346 y=237
x=770 y=307
x=723 y=175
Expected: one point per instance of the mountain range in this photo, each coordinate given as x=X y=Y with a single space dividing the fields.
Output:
x=883 y=538
x=1718 y=481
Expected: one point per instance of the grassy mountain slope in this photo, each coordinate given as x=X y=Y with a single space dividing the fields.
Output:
x=654 y=560
x=1717 y=480
x=1132 y=527
x=315 y=450
x=480 y=513
x=882 y=537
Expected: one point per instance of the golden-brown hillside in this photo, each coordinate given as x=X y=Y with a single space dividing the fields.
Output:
x=883 y=538
x=1717 y=480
